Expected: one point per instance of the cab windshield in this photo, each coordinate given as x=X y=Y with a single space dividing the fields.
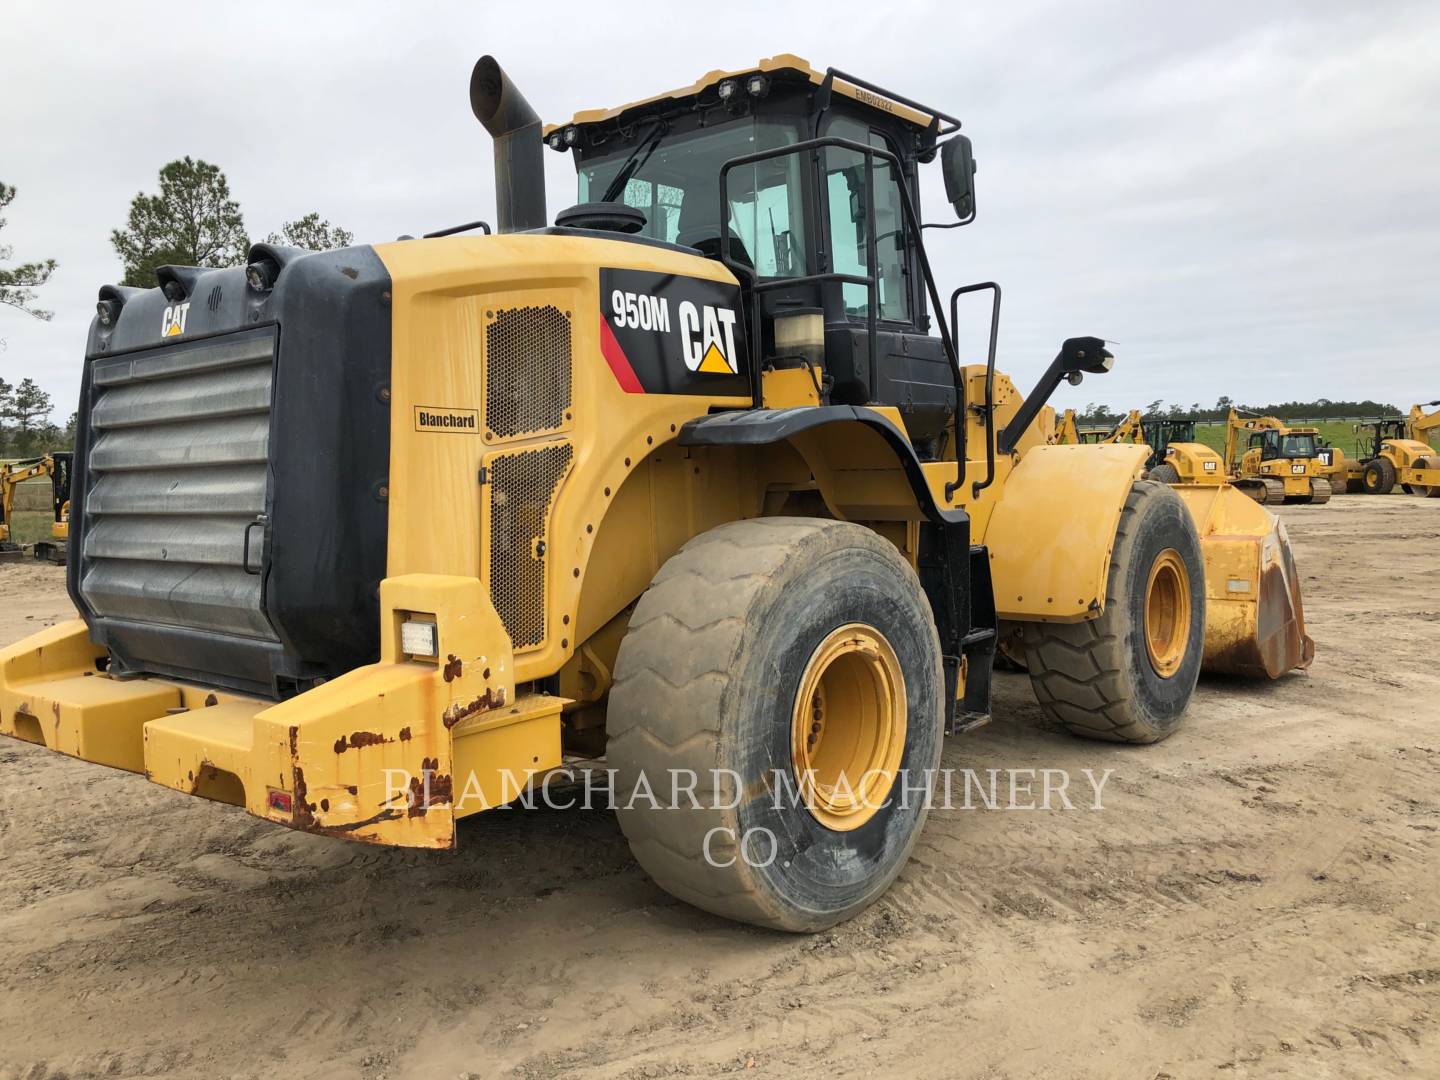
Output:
x=1298 y=446
x=678 y=189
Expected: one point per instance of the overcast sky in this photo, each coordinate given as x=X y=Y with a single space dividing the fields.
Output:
x=1242 y=196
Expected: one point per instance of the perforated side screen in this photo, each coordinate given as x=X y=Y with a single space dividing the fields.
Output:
x=522 y=489
x=527 y=370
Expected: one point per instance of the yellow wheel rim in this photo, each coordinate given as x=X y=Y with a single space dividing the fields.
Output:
x=848 y=727
x=1167 y=613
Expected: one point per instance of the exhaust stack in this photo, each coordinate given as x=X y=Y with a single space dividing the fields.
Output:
x=519 y=149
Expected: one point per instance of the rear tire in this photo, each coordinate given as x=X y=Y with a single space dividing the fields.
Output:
x=719 y=653
x=1165 y=473
x=1127 y=676
x=1379 y=477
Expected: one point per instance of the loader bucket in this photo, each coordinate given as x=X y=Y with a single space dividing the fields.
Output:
x=1255 y=621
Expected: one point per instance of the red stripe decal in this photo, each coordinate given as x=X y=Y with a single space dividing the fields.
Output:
x=618 y=361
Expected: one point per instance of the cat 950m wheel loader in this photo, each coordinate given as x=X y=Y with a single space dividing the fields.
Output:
x=368 y=540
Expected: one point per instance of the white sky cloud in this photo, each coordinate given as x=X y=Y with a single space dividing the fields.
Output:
x=1242 y=195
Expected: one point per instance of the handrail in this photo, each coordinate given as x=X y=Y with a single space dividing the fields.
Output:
x=936 y=116
x=989 y=406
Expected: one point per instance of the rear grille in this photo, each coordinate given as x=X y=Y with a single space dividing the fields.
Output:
x=527 y=370
x=522 y=492
x=177 y=470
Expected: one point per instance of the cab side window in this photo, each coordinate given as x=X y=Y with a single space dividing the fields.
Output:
x=846 y=227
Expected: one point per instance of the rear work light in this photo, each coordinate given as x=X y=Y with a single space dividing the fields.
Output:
x=419 y=637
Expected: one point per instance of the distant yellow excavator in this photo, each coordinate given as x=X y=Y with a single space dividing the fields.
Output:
x=1391 y=451
x=1069 y=433
x=57 y=467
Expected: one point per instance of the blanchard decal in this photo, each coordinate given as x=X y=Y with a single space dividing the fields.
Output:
x=172 y=324
x=434 y=418
x=671 y=334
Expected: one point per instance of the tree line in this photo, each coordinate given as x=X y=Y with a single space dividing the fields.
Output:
x=1321 y=409
x=191 y=220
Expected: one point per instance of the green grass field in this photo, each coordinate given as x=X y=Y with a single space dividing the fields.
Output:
x=30 y=526
x=1339 y=434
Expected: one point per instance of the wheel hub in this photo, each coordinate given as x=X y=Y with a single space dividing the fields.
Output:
x=848 y=726
x=1167 y=613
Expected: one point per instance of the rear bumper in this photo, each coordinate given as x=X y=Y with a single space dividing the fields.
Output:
x=391 y=753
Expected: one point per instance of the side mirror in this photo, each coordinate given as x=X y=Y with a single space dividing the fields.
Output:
x=1082 y=354
x=957 y=161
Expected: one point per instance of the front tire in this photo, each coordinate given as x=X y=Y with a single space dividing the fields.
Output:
x=762 y=648
x=1127 y=676
x=1379 y=477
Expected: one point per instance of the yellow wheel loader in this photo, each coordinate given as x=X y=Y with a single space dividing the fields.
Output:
x=1276 y=463
x=57 y=467
x=1233 y=531
x=1396 y=452
x=369 y=540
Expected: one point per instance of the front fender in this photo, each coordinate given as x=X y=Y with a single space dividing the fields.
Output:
x=1052 y=532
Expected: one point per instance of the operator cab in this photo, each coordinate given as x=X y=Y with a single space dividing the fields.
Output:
x=1294 y=445
x=821 y=230
x=1381 y=432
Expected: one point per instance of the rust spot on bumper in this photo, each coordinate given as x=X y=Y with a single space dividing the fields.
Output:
x=429 y=788
x=359 y=740
x=491 y=699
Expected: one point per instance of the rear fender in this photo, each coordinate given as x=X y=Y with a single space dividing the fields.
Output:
x=1051 y=535
x=862 y=461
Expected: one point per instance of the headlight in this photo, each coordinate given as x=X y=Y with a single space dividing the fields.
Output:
x=420 y=637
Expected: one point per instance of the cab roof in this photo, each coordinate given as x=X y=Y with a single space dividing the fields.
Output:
x=783 y=63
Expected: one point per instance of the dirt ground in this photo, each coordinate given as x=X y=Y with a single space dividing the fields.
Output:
x=1260 y=896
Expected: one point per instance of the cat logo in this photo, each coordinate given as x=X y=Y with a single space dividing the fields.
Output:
x=707 y=334
x=173 y=324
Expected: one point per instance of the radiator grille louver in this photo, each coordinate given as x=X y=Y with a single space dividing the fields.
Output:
x=177 y=470
x=527 y=370
x=522 y=492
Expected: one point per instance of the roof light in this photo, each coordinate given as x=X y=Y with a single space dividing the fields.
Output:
x=106 y=311
x=757 y=85
x=261 y=274
x=572 y=135
x=726 y=90
x=556 y=141
x=174 y=291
